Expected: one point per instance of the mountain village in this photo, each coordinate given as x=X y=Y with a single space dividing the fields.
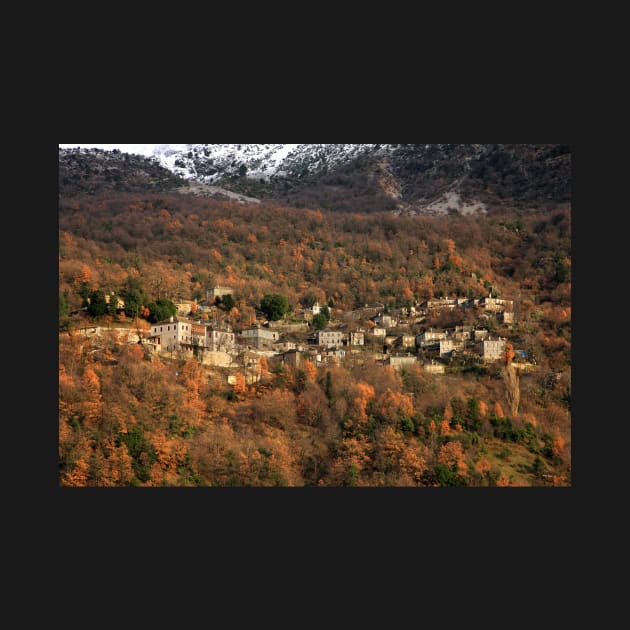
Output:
x=396 y=337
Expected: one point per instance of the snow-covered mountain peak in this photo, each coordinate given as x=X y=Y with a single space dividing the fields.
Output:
x=209 y=162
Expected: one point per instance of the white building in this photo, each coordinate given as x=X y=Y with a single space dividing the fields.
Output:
x=443 y=302
x=448 y=345
x=480 y=334
x=406 y=341
x=493 y=349
x=430 y=338
x=179 y=333
x=330 y=338
x=398 y=361
x=434 y=368
x=356 y=338
x=385 y=321
x=497 y=305
x=463 y=333
x=171 y=334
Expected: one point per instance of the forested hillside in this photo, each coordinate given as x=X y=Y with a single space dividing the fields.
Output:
x=95 y=171
x=129 y=416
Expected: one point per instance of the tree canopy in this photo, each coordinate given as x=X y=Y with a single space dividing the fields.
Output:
x=275 y=306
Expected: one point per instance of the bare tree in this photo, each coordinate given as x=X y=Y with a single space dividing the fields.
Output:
x=512 y=388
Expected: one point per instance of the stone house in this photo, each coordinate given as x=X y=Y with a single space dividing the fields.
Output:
x=434 y=368
x=171 y=334
x=493 y=349
x=463 y=333
x=332 y=356
x=434 y=304
x=405 y=341
x=447 y=346
x=430 y=338
x=480 y=334
x=385 y=321
x=330 y=338
x=213 y=338
x=284 y=346
x=398 y=361
x=293 y=358
x=497 y=305
x=259 y=337
x=218 y=291
x=356 y=338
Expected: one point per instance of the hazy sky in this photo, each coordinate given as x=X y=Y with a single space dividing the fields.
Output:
x=142 y=149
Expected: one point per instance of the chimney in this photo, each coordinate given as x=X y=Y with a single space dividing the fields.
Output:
x=171 y=319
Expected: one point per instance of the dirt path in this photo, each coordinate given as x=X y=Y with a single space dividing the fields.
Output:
x=204 y=190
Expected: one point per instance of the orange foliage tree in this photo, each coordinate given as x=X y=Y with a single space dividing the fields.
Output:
x=240 y=387
x=309 y=369
x=451 y=454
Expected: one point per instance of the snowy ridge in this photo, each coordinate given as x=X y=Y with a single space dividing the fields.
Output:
x=210 y=162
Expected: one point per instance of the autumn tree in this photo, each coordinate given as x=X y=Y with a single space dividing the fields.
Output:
x=497 y=410
x=309 y=369
x=451 y=458
x=264 y=368
x=240 y=386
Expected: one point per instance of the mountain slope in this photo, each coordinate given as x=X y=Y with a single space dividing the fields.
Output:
x=413 y=178
x=400 y=178
x=94 y=170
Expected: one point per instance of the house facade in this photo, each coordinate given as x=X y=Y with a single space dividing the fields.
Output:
x=497 y=304
x=171 y=334
x=406 y=341
x=179 y=333
x=385 y=321
x=399 y=361
x=493 y=349
x=356 y=338
x=447 y=346
x=434 y=368
x=430 y=338
x=330 y=338
x=218 y=340
x=260 y=337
